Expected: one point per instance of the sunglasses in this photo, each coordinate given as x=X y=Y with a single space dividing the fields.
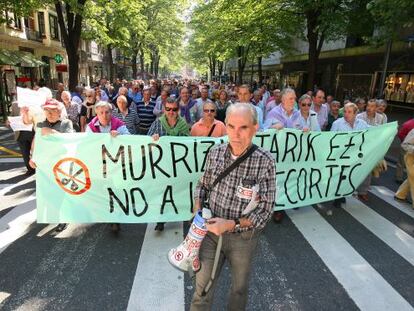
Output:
x=304 y=105
x=169 y=109
x=209 y=110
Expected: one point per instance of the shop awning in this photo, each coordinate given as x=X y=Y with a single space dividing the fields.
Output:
x=20 y=59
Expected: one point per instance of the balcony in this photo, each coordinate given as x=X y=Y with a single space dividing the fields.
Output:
x=33 y=35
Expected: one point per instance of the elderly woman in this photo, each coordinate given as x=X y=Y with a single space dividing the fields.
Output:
x=222 y=104
x=208 y=125
x=53 y=124
x=308 y=119
x=72 y=109
x=169 y=124
x=350 y=122
x=104 y=122
x=126 y=114
x=87 y=112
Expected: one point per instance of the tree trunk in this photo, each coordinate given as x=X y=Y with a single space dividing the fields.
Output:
x=314 y=47
x=142 y=64
x=157 y=65
x=220 y=69
x=110 y=63
x=242 y=54
x=134 y=64
x=70 y=30
x=259 y=70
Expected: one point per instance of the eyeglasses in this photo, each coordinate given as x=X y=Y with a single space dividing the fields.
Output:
x=209 y=110
x=304 y=105
x=169 y=109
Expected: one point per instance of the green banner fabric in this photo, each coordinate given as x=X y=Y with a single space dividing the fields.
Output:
x=84 y=178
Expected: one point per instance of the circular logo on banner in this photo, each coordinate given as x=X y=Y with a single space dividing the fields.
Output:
x=72 y=176
x=178 y=256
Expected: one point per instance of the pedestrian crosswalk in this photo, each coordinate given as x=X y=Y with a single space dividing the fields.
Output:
x=360 y=256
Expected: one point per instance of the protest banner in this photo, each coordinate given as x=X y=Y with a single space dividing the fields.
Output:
x=30 y=98
x=85 y=178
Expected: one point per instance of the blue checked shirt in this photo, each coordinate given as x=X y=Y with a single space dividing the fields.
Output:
x=258 y=169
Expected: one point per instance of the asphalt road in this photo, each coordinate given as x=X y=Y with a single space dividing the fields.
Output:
x=360 y=256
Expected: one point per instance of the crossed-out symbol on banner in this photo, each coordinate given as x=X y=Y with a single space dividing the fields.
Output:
x=72 y=175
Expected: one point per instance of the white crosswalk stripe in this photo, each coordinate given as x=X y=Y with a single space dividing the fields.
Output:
x=365 y=286
x=157 y=286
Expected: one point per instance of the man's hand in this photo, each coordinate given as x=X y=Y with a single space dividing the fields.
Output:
x=220 y=225
x=114 y=133
x=48 y=131
x=155 y=137
x=306 y=129
x=277 y=126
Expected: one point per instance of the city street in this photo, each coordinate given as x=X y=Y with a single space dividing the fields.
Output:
x=360 y=256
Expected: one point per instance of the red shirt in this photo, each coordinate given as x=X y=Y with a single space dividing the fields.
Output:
x=405 y=129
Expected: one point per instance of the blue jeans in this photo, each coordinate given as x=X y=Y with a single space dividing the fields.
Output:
x=239 y=250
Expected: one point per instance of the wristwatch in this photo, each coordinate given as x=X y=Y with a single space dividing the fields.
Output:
x=237 y=226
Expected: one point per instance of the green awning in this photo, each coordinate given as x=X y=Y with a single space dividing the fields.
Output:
x=8 y=57
x=20 y=59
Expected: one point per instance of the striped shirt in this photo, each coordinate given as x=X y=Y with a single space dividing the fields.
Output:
x=146 y=116
x=131 y=120
x=258 y=169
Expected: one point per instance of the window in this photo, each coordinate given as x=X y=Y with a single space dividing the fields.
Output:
x=54 y=28
x=13 y=20
x=41 y=21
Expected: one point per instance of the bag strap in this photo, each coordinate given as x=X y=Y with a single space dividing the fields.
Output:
x=211 y=130
x=234 y=165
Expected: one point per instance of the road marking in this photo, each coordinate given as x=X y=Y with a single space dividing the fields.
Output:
x=3 y=296
x=9 y=151
x=11 y=160
x=16 y=223
x=2 y=186
x=394 y=237
x=388 y=196
x=11 y=134
x=366 y=287
x=157 y=285
x=22 y=182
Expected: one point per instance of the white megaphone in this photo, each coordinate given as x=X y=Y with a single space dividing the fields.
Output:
x=185 y=256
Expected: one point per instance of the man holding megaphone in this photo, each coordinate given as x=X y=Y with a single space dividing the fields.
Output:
x=239 y=187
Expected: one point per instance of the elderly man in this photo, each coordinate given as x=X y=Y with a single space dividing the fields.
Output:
x=145 y=110
x=321 y=109
x=272 y=102
x=197 y=110
x=186 y=104
x=350 y=122
x=227 y=200
x=244 y=95
x=284 y=116
x=60 y=89
x=127 y=115
x=122 y=91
